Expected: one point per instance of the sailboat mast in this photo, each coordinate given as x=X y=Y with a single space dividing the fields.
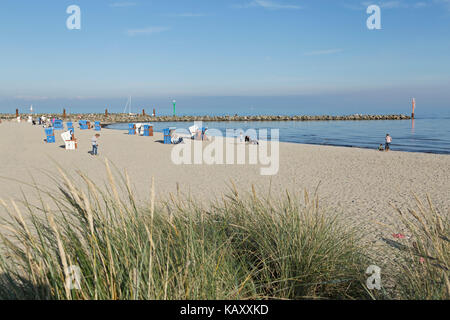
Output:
x=128 y=106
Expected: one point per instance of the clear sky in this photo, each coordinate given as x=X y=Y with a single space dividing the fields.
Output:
x=157 y=49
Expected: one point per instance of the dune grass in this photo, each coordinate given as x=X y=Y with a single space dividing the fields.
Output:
x=241 y=247
x=425 y=266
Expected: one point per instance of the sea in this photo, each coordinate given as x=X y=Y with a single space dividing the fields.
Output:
x=427 y=134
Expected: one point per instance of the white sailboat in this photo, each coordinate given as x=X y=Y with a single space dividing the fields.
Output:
x=128 y=107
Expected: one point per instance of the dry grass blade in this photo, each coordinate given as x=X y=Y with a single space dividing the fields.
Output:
x=426 y=276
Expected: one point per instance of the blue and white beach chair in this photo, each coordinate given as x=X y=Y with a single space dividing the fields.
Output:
x=83 y=124
x=50 y=133
x=58 y=124
x=131 y=129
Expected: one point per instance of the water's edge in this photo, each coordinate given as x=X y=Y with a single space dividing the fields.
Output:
x=422 y=136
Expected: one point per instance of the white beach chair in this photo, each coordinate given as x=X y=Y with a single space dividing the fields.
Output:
x=70 y=145
x=139 y=129
x=67 y=138
x=193 y=130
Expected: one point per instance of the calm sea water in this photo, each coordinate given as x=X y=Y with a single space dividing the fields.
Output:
x=430 y=135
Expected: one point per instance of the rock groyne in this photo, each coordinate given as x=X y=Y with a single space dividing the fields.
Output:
x=126 y=118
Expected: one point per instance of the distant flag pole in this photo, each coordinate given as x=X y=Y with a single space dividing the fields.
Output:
x=413 y=107
x=31 y=109
x=174 y=105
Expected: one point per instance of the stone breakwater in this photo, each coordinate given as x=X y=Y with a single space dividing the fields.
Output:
x=126 y=118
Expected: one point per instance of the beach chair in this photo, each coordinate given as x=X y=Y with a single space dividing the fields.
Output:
x=148 y=130
x=66 y=136
x=168 y=135
x=139 y=129
x=58 y=124
x=83 y=124
x=193 y=129
x=50 y=135
x=71 y=144
x=131 y=129
x=97 y=126
x=69 y=125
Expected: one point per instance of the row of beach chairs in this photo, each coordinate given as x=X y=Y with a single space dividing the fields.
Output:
x=86 y=125
x=133 y=129
x=195 y=132
x=147 y=131
x=142 y=129
x=68 y=136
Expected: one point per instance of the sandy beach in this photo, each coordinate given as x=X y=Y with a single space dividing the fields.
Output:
x=358 y=184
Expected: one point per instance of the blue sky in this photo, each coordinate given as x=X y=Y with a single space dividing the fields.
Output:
x=157 y=49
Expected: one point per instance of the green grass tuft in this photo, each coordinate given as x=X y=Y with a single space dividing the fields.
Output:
x=243 y=247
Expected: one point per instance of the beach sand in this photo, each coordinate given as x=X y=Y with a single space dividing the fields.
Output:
x=358 y=184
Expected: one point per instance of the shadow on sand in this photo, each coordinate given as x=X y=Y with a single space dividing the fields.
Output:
x=19 y=288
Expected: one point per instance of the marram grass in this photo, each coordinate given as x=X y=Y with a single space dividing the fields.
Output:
x=425 y=269
x=242 y=247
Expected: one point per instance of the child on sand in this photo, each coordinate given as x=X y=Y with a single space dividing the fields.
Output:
x=388 y=142
x=380 y=148
x=95 y=144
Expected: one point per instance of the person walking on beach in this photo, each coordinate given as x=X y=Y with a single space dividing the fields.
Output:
x=388 y=142
x=95 y=144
